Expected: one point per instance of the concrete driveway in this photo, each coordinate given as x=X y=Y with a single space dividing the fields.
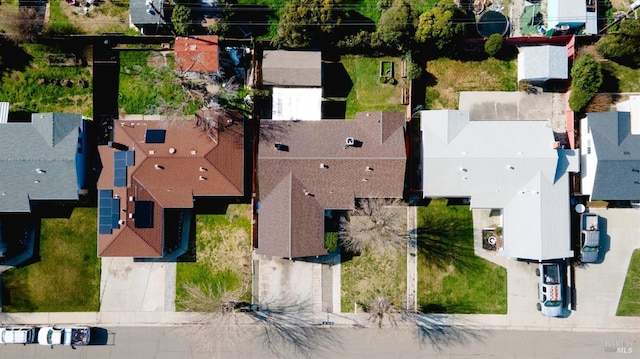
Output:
x=137 y=286
x=598 y=286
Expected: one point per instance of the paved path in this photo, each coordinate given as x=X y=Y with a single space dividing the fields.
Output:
x=412 y=258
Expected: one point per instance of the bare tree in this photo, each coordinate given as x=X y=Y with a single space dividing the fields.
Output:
x=23 y=25
x=375 y=225
x=381 y=308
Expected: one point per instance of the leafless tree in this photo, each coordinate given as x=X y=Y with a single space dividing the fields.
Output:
x=381 y=308
x=375 y=225
x=24 y=24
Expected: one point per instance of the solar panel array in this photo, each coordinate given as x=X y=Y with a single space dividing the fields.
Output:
x=155 y=136
x=122 y=159
x=108 y=211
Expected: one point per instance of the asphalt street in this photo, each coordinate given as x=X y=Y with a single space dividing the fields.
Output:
x=322 y=342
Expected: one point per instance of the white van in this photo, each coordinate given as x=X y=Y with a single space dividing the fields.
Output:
x=17 y=335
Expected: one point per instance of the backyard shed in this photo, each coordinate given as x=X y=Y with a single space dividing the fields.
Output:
x=538 y=64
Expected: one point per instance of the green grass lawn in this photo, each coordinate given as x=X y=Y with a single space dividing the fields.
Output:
x=368 y=93
x=149 y=85
x=451 y=278
x=627 y=77
x=67 y=279
x=629 y=304
x=366 y=276
x=448 y=77
x=222 y=257
x=26 y=65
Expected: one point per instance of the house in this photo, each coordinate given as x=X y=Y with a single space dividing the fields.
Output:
x=151 y=173
x=42 y=161
x=539 y=64
x=147 y=16
x=308 y=167
x=295 y=81
x=610 y=163
x=196 y=53
x=512 y=166
x=572 y=16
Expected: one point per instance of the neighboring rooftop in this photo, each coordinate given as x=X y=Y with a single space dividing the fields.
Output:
x=509 y=165
x=573 y=13
x=38 y=160
x=141 y=14
x=154 y=166
x=197 y=53
x=292 y=68
x=611 y=169
x=306 y=167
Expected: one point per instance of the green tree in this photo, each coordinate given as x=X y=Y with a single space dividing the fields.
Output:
x=438 y=27
x=181 y=19
x=397 y=25
x=494 y=44
x=622 y=45
x=586 y=80
x=304 y=23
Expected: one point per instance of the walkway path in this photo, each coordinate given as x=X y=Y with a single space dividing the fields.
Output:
x=412 y=258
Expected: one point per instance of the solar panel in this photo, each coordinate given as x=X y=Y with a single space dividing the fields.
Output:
x=130 y=158
x=144 y=214
x=105 y=198
x=115 y=212
x=120 y=168
x=154 y=136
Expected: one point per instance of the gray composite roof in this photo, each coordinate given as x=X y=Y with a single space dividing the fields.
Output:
x=543 y=63
x=139 y=15
x=292 y=68
x=617 y=175
x=38 y=160
x=508 y=165
x=318 y=172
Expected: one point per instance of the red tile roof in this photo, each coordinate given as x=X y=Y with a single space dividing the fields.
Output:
x=196 y=53
x=190 y=163
x=319 y=172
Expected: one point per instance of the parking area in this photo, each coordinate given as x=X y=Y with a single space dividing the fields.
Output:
x=599 y=285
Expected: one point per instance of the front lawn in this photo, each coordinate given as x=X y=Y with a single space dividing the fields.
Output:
x=447 y=77
x=67 y=279
x=629 y=304
x=451 y=278
x=221 y=259
x=368 y=93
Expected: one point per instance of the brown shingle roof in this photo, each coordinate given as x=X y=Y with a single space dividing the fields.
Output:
x=197 y=53
x=295 y=189
x=190 y=163
x=292 y=68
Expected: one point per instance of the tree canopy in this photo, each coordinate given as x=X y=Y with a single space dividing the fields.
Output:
x=494 y=44
x=622 y=45
x=587 y=78
x=438 y=26
x=305 y=23
x=181 y=19
x=397 y=25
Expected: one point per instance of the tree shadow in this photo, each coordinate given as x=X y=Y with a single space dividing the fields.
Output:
x=436 y=331
x=445 y=241
x=18 y=60
x=609 y=81
x=340 y=83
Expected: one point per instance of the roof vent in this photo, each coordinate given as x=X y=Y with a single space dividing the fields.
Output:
x=40 y=170
x=322 y=165
x=36 y=181
x=202 y=169
x=202 y=178
x=350 y=141
x=364 y=180
x=172 y=150
x=280 y=147
x=194 y=152
x=121 y=222
x=510 y=167
x=152 y=152
x=159 y=167
x=368 y=169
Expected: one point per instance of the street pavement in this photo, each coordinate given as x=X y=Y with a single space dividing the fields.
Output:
x=322 y=342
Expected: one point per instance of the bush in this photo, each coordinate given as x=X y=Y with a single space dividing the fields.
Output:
x=587 y=79
x=181 y=19
x=494 y=44
x=623 y=45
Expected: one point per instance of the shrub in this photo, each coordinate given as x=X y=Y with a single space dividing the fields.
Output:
x=622 y=45
x=181 y=19
x=587 y=79
x=494 y=44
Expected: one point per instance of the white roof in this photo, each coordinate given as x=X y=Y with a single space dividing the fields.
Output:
x=543 y=63
x=509 y=165
x=291 y=104
x=565 y=11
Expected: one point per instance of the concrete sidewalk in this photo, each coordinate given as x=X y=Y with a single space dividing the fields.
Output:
x=470 y=321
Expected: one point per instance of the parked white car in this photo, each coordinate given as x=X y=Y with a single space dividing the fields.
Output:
x=70 y=336
x=17 y=335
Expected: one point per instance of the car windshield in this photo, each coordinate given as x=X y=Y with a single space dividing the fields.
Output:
x=553 y=304
x=49 y=335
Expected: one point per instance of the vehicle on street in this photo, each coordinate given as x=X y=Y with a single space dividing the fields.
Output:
x=68 y=336
x=589 y=238
x=17 y=335
x=550 y=287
